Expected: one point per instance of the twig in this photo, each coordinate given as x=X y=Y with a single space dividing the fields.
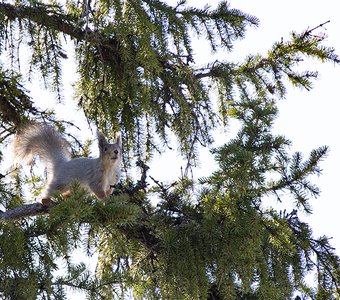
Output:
x=308 y=32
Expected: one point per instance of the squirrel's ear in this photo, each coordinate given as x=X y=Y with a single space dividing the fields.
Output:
x=118 y=139
x=102 y=142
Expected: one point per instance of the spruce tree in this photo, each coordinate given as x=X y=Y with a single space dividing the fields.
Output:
x=206 y=238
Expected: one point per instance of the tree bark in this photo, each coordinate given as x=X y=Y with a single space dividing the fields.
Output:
x=26 y=210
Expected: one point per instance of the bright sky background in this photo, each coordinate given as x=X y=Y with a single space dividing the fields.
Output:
x=308 y=119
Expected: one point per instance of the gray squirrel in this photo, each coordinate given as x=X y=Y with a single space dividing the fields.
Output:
x=96 y=175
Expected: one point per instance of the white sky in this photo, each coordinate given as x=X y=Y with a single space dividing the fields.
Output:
x=308 y=119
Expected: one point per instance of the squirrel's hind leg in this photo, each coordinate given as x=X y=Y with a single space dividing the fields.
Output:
x=50 y=189
x=53 y=187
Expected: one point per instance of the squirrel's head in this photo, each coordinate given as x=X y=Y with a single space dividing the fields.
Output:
x=110 y=152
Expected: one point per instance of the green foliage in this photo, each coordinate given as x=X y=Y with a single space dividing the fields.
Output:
x=14 y=102
x=30 y=248
x=138 y=78
x=218 y=237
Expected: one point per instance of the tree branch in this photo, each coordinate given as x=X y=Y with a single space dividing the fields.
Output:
x=141 y=232
x=26 y=210
x=64 y=23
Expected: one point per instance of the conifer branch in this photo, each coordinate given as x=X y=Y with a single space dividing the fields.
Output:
x=41 y=16
x=26 y=210
x=280 y=61
x=13 y=101
x=56 y=21
x=139 y=232
x=205 y=239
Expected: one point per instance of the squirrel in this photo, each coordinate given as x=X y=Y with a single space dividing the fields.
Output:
x=96 y=175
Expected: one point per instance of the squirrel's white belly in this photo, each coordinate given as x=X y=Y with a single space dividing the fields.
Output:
x=110 y=178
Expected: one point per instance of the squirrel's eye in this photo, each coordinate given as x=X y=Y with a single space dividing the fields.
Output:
x=104 y=148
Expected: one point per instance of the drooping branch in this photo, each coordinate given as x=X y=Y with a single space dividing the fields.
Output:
x=63 y=23
x=41 y=16
x=14 y=101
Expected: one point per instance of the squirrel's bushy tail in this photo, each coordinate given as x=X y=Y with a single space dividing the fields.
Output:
x=42 y=140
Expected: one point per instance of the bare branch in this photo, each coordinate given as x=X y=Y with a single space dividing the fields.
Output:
x=308 y=32
x=26 y=210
